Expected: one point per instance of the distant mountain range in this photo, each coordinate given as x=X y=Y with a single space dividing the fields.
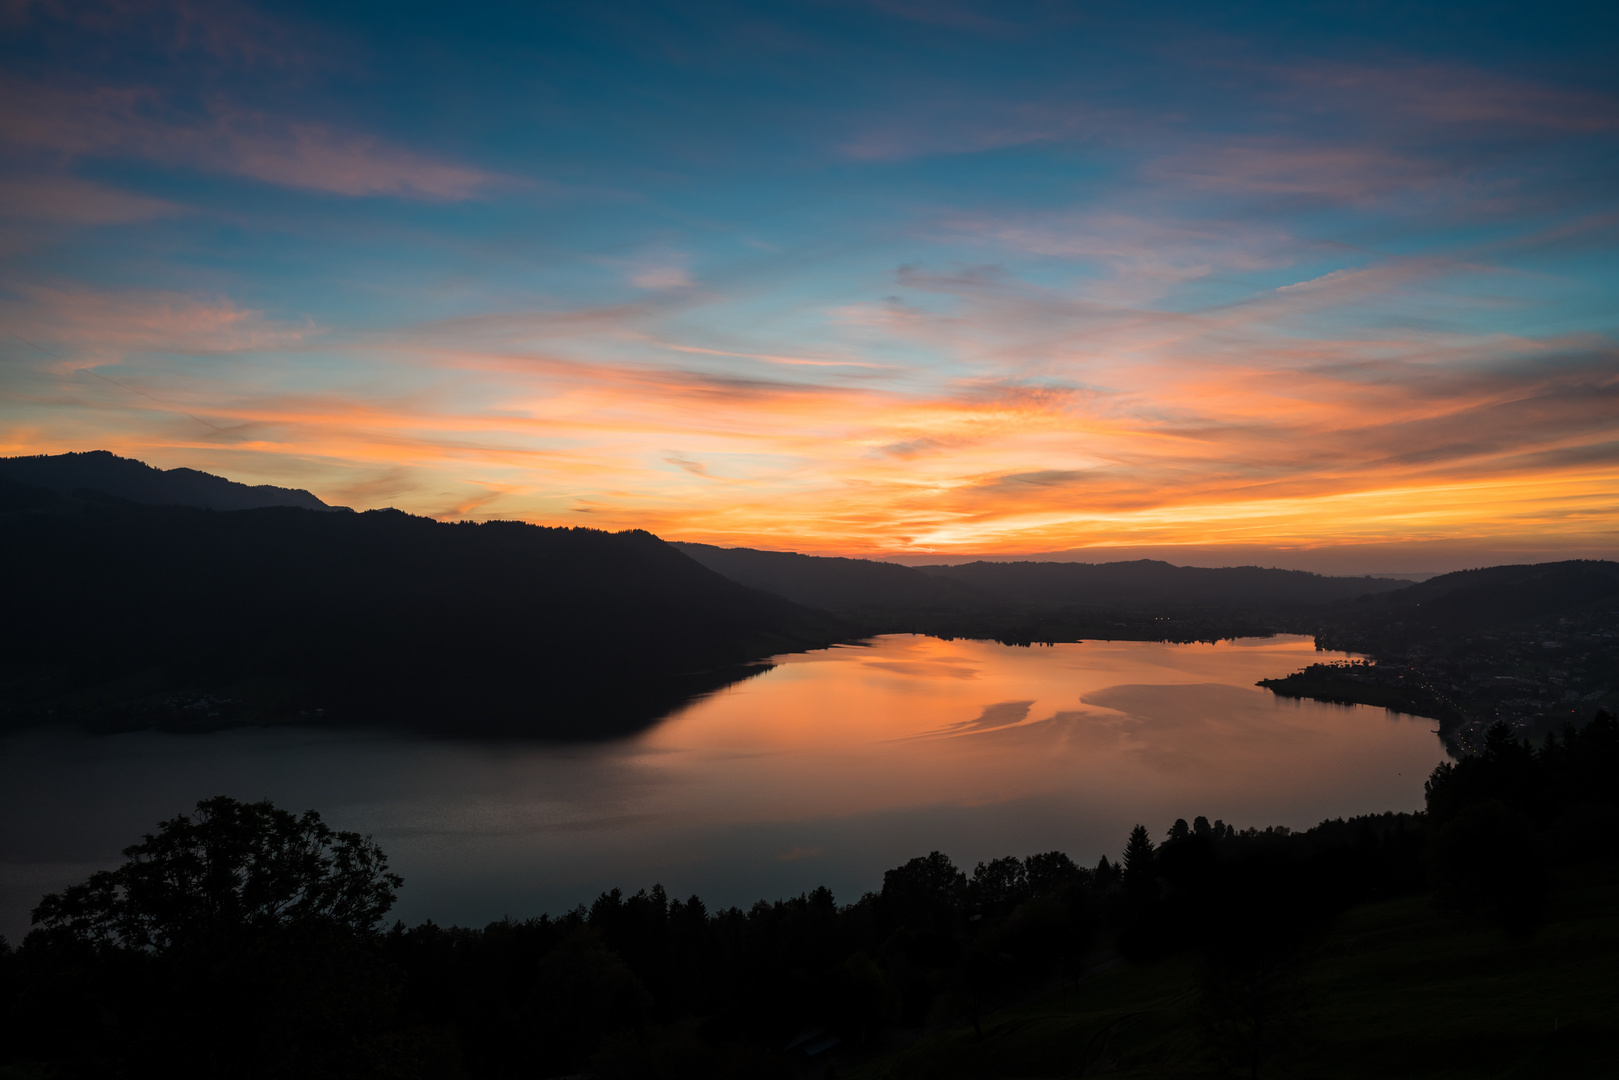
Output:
x=858 y=587
x=99 y=474
x=1021 y=602
x=1148 y=582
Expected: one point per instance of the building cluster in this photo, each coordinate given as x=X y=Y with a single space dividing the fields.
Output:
x=1536 y=677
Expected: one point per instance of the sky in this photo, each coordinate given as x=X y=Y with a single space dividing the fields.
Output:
x=1323 y=285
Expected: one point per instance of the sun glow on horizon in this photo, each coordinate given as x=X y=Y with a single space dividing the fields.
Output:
x=1302 y=301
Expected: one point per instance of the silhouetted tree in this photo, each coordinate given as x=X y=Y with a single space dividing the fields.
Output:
x=582 y=992
x=261 y=921
x=230 y=865
x=926 y=892
x=1052 y=870
x=1138 y=862
x=1107 y=875
x=1485 y=857
x=998 y=886
x=867 y=1001
x=1250 y=1000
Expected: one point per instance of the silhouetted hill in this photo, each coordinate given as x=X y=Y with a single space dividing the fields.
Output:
x=1506 y=594
x=134 y=616
x=854 y=586
x=1438 y=614
x=1532 y=646
x=99 y=472
x=1026 y=602
x=1150 y=583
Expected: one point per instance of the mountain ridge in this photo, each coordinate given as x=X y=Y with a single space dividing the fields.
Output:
x=103 y=473
x=132 y=616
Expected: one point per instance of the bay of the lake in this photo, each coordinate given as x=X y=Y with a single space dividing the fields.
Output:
x=828 y=768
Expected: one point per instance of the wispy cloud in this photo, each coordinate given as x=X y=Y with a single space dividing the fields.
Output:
x=1232 y=300
x=1308 y=440
x=224 y=30
x=140 y=122
x=1449 y=95
x=1342 y=173
x=90 y=327
x=71 y=201
x=943 y=124
x=659 y=270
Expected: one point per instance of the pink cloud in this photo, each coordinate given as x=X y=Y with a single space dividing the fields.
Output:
x=132 y=122
x=87 y=327
x=69 y=201
x=659 y=270
x=225 y=30
x=1455 y=95
x=1144 y=254
x=321 y=158
x=1342 y=173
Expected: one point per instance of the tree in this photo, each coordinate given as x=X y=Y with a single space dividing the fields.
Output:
x=261 y=922
x=1052 y=870
x=998 y=886
x=1249 y=998
x=1138 y=860
x=230 y=866
x=926 y=892
x=1138 y=907
x=1486 y=856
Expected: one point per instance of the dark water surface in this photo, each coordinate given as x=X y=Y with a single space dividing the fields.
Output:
x=827 y=769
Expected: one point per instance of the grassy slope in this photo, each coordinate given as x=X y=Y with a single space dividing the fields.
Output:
x=1395 y=991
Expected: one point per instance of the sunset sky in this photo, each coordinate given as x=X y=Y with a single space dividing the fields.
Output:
x=1333 y=285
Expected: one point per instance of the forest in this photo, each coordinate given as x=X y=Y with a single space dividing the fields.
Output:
x=206 y=619
x=244 y=940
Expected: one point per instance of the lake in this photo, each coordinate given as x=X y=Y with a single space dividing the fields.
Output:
x=828 y=768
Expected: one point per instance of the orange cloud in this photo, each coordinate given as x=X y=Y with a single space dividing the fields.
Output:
x=1045 y=422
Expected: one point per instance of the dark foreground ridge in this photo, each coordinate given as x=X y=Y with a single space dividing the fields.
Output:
x=99 y=475
x=1477 y=938
x=125 y=616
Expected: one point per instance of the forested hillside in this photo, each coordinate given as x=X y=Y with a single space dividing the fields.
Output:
x=126 y=615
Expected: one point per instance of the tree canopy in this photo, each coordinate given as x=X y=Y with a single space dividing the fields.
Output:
x=229 y=866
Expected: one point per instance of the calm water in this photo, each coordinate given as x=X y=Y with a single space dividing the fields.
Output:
x=828 y=769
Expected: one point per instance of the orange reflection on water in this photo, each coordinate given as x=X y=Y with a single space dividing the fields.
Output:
x=825 y=770
x=1154 y=730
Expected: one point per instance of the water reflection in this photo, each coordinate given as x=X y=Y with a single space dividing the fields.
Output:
x=827 y=769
